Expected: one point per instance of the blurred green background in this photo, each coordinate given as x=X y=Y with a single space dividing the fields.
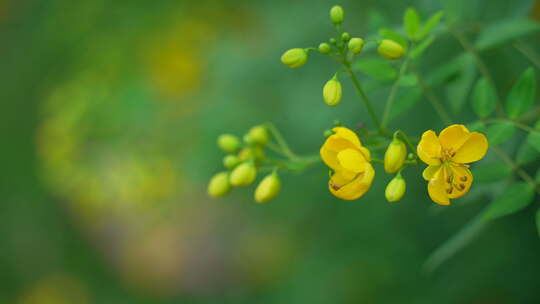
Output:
x=110 y=114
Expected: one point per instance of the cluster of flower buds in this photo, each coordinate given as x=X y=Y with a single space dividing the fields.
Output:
x=344 y=48
x=241 y=163
x=394 y=159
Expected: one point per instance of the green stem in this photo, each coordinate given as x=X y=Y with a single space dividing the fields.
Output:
x=516 y=123
x=528 y=52
x=524 y=175
x=365 y=99
x=435 y=102
x=407 y=140
x=467 y=46
x=281 y=141
x=393 y=91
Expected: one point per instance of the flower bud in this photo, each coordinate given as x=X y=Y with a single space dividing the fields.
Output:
x=332 y=92
x=258 y=135
x=230 y=161
x=390 y=49
x=395 y=189
x=356 y=45
x=324 y=48
x=333 y=41
x=345 y=36
x=228 y=143
x=243 y=175
x=268 y=188
x=294 y=58
x=254 y=152
x=337 y=14
x=219 y=185
x=394 y=156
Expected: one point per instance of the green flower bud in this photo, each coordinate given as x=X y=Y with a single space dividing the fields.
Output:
x=258 y=135
x=324 y=48
x=254 y=152
x=337 y=14
x=394 y=157
x=228 y=143
x=294 y=58
x=390 y=49
x=332 y=41
x=345 y=36
x=268 y=188
x=230 y=161
x=332 y=92
x=219 y=185
x=243 y=175
x=395 y=189
x=356 y=45
x=327 y=133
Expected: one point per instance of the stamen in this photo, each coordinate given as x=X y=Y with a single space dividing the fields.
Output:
x=463 y=179
x=449 y=190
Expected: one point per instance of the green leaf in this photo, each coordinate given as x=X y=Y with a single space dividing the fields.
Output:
x=377 y=67
x=445 y=71
x=537 y=177
x=538 y=221
x=453 y=245
x=490 y=173
x=521 y=96
x=418 y=50
x=499 y=132
x=526 y=154
x=411 y=22
x=505 y=31
x=533 y=139
x=386 y=33
x=409 y=80
x=514 y=198
x=430 y=24
x=405 y=102
x=484 y=98
x=476 y=126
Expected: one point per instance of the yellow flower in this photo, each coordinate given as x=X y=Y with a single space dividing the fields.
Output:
x=447 y=156
x=344 y=154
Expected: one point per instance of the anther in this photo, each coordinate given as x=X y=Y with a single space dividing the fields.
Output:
x=463 y=178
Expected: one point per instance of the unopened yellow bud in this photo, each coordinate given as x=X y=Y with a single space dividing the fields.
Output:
x=258 y=135
x=294 y=58
x=324 y=48
x=356 y=45
x=230 y=161
x=394 y=157
x=332 y=92
x=390 y=49
x=337 y=14
x=268 y=188
x=254 y=152
x=219 y=185
x=243 y=175
x=395 y=189
x=228 y=143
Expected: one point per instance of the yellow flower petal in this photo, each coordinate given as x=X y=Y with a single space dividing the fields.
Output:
x=352 y=160
x=350 y=189
x=348 y=135
x=475 y=148
x=461 y=181
x=429 y=172
x=429 y=148
x=331 y=148
x=366 y=153
x=453 y=137
x=437 y=188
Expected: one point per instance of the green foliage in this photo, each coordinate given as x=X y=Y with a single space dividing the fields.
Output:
x=500 y=131
x=484 y=98
x=490 y=172
x=514 y=198
x=521 y=97
x=458 y=90
x=377 y=67
x=537 y=218
x=411 y=22
x=505 y=31
x=406 y=101
x=430 y=24
x=526 y=154
x=419 y=49
x=533 y=139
